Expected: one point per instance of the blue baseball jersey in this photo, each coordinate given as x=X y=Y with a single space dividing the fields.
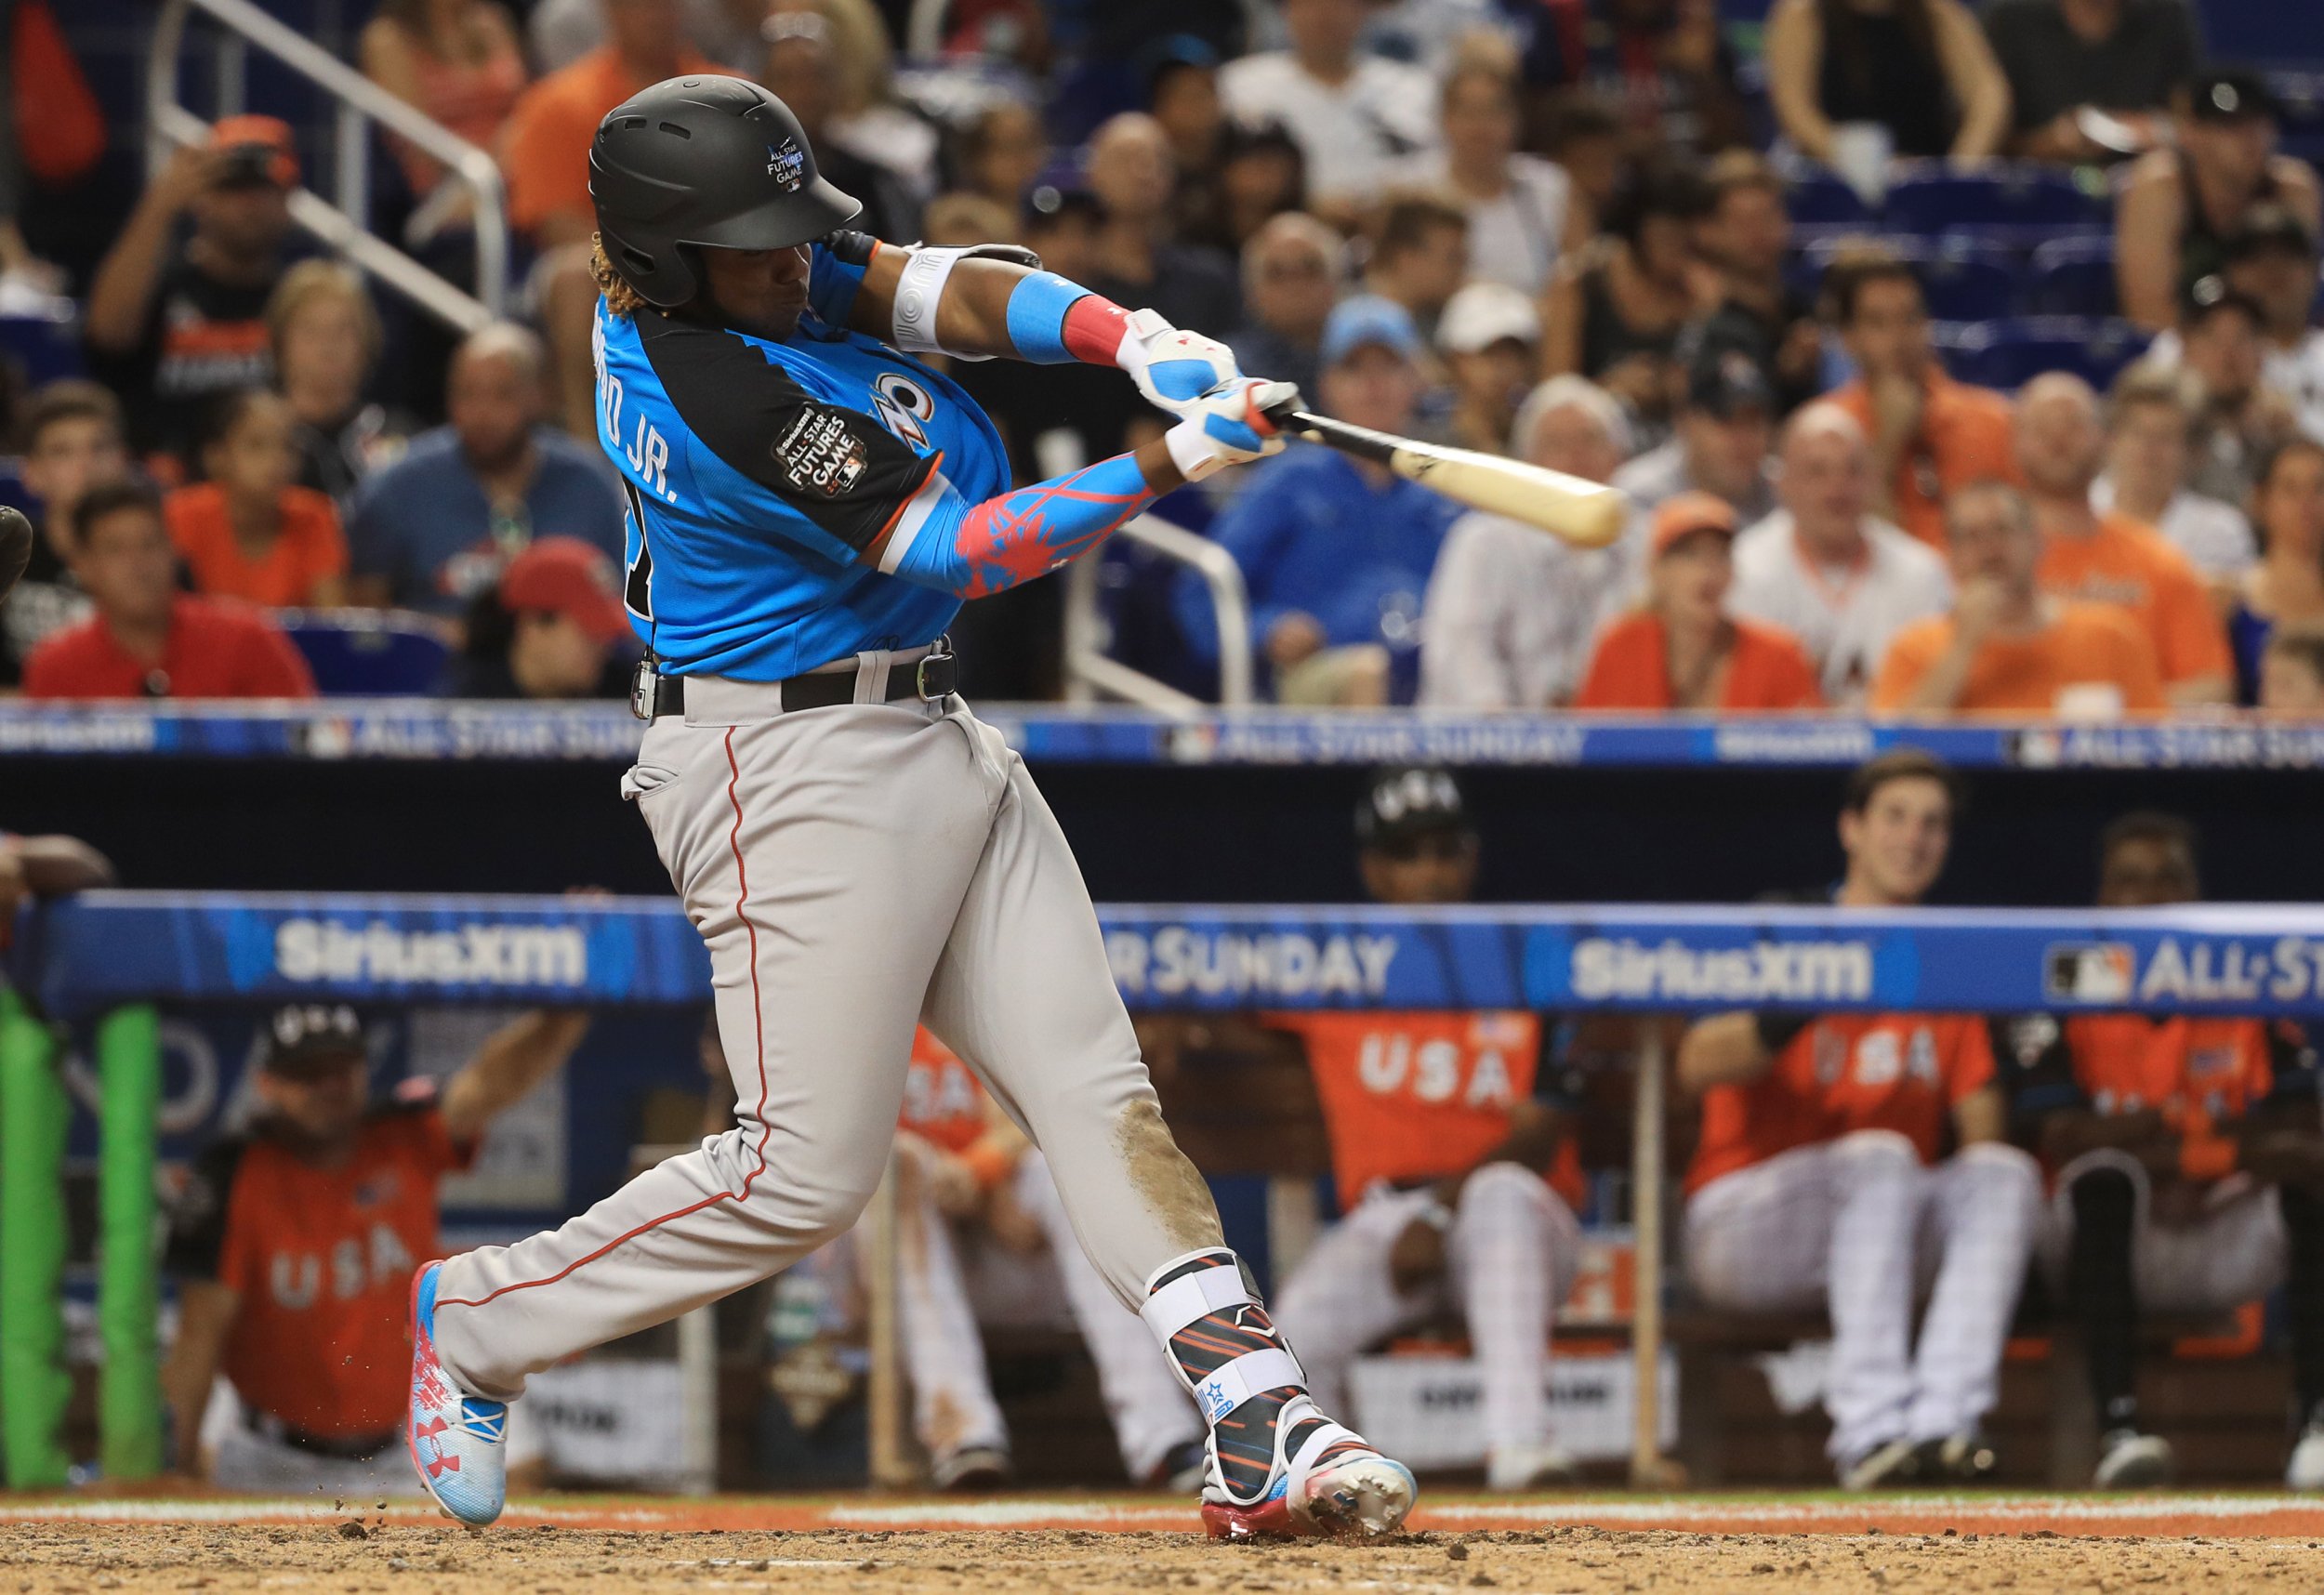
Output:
x=756 y=472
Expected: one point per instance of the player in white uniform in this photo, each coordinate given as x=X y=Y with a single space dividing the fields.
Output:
x=807 y=507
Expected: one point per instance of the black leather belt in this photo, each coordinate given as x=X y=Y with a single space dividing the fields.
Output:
x=934 y=675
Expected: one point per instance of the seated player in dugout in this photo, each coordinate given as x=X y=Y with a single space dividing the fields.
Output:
x=2187 y=1163
x=1857 y=1163
x=293 y=1244
x=982 y=1239
x=1458 y=1180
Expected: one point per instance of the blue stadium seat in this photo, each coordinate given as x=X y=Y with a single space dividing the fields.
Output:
x=2004 y=199
x=47 y=346
x=2007 y=354
x=362 y=653
x=1820 y=199
x=2072 y=277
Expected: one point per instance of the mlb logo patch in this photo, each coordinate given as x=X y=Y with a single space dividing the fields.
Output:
x=2093 y=973
x=787 y=164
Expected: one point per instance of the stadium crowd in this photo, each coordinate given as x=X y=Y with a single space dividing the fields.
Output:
x=1972 y=367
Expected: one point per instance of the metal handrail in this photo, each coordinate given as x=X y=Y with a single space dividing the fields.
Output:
x=342 y=223
x=1088 y=670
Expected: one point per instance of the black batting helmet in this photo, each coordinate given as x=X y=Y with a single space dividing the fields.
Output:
x=710 y=161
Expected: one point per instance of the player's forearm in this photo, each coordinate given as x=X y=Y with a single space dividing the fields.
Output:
x=53 y=866
x=974 y=550
x=206 y=1312
x=514 y=1059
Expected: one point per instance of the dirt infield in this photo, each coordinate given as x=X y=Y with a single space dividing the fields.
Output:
x=225 y=1548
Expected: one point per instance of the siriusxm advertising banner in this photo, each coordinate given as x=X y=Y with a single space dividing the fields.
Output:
x=345 y=729
x=106 y=948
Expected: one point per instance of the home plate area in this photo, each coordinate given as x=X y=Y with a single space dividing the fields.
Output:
x=2024 y=1544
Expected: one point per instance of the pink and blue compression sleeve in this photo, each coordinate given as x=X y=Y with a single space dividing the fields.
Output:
x=970 y=550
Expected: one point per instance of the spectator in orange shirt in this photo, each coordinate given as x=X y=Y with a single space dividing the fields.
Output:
x=1682 y=651
x=2009 y=648
x=2111 y=558
x=1930 y=434
x=147 y=640
x=546 y=157
x=248 y=532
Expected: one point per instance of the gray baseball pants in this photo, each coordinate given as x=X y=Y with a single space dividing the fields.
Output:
x=854 y=870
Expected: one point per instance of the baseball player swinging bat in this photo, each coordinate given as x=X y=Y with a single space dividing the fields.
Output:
x=1581 y=512
x=807 y=507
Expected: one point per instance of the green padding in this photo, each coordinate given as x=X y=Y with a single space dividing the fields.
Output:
x=129 y=1390
x=34 y=1384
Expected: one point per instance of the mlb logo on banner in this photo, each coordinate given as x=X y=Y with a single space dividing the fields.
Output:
x=2093 y=973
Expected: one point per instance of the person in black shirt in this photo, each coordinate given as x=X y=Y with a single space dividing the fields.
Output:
x=1744 y=236
x=2064 y=56
x=173 y=323
x=71 y=441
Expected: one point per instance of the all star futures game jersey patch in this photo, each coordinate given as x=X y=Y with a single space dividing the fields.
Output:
x=820 y=453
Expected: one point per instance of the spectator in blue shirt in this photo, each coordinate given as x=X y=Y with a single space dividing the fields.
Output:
x=436 y=528
x=1337 y=551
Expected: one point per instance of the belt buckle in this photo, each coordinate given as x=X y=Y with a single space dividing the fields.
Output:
x=645 y=684
x=936 y=674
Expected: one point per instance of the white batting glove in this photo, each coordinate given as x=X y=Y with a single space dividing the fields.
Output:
x=1173 y=369
x=1228 y=425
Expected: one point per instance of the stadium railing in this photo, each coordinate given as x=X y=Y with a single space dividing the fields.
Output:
x=111 y=958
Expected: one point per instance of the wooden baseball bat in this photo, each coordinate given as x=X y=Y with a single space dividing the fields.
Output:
x=1586 y=514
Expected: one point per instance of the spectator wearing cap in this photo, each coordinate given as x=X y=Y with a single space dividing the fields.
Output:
x=2272 y=262
x=1139 y=260
x=552 y=628
x=2090 y=80
x=144 y=637
x=1825 y=568
x=1744 y=236
x=1515 y=203
x=2181 y=204
x=1510 y=613
x=2292 y=675
x=175 y=320
x=2008 y=647
x=2238 y=419
x=801 y=69
x=1490 y=338
x=72 y=441
x=1614 y=310
x=1336 y=552
x=1665 y=65
x=1292 y=271
x=2150 y=414
x=1352 y=115
x=1719 y=444
x=2285 y=589
x=247 y=531
x=1681 y=649
x=1929 y=435
x=2111 y=558
x=434 y=529
x=294 y=1243
x=1419 y=257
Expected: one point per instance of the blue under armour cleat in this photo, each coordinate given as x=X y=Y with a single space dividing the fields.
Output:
x=458 y=1442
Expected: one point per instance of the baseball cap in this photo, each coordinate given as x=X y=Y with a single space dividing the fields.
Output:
x=257 y=150
x=1406 y=801
x=1724 y=381
x=2229 y=94
x=564 y=576
x=1682 y=517
x=1484 y=314
x=2266 y=226
x=303 y=1035
x=1364 y=319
